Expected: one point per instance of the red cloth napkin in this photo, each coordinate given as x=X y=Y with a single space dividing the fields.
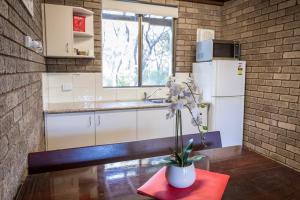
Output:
x=208 y=186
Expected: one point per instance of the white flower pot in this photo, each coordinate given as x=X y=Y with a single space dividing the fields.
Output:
x=181 y=177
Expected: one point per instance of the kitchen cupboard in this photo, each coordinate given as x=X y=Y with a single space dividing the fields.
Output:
x=115 y=126
x=60 y=40
x=68 y=130
x=58 y=30
x=152 y=123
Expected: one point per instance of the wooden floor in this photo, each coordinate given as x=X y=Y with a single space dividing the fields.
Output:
x=252 y=177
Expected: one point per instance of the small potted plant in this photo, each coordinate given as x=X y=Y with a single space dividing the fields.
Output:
x=180 y=171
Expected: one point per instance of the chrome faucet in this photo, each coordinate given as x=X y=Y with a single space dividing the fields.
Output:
x=148 y=97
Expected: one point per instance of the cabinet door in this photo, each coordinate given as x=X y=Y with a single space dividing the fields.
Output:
x=58 y=30
x=187 y=126
x=152 y=123
x=69 y=130
x=115 y=126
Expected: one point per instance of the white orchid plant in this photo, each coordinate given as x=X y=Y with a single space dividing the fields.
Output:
x=184 y=95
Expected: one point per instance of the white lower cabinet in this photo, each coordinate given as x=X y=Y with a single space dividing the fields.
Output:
x=68 y=130
x=152 y=123
x=115 y=126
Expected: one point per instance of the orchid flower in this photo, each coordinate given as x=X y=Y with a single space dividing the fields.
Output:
x=184 y=95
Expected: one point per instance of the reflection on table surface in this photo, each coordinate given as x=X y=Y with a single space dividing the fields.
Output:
x=118 y=180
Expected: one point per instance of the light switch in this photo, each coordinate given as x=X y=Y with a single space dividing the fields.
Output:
x=67 y=87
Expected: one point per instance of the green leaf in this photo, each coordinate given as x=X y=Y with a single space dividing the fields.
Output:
x=186 y=152
x=196 y=158
x=169 y=162
x=202 y=105
x=188 y=163
x=205 y=128
x=178 y=158
x=189 y=146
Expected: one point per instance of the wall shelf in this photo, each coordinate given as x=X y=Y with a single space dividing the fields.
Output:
x=82 y=34
x=82 y=11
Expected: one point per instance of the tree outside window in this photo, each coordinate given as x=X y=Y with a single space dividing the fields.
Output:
x=121 y=47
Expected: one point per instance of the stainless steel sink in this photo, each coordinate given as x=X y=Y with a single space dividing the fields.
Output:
x=157 y=100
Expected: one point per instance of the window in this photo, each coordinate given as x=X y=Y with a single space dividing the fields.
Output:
x=137 y=49
x=157 y=50
x=120 y=49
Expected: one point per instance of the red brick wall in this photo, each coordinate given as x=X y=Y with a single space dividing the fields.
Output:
x=269 y=31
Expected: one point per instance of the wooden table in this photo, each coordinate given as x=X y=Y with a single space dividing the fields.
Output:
x=252 y=177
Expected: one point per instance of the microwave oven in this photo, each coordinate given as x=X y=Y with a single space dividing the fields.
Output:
x=208 y=50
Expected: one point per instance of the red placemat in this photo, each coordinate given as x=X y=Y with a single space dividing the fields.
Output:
x=208 y=186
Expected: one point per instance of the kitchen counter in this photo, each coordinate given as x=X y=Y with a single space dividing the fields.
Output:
x=100 y=106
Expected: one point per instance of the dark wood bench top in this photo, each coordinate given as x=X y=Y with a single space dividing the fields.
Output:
x=94 y=155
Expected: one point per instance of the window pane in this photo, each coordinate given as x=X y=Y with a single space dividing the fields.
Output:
x=120 y=49
x=157 y=50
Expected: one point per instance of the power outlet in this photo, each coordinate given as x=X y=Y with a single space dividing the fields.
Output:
x=66 y=87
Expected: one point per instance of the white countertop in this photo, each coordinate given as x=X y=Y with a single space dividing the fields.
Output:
x=100 y=106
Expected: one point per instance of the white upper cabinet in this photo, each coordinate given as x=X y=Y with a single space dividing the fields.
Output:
x=152 y=123
x=69 y=130
x=58 y=30
x=60 y=39
x=115 y=126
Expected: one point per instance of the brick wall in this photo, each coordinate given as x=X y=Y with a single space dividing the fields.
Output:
x=21 y=119
x=269 y=31
x=191 y=17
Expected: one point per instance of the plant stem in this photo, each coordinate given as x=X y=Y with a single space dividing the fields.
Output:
x=176 y=132
x=180 y=129
x=193 y=94
x=198 y=126
x=201 y=133
x=181 y=137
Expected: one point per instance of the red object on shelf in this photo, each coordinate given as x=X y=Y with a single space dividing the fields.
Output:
x=208 y=186
x=79 y=23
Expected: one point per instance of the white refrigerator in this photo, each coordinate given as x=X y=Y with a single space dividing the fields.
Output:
x=222 y=83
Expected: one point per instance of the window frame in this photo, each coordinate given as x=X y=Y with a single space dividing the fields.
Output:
x=140 y=54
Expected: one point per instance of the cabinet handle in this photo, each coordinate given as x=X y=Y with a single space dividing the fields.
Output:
x=99 y=122
x=90 y=120
x=67 y=47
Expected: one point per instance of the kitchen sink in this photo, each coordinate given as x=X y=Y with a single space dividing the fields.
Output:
x=157 y=100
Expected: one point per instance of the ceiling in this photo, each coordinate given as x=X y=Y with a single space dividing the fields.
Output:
x=212 y=2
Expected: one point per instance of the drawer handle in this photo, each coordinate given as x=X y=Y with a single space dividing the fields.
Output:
x=99 y=122
x=90 y=120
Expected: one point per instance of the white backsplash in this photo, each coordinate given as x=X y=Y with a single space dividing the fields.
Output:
x=81 y=87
